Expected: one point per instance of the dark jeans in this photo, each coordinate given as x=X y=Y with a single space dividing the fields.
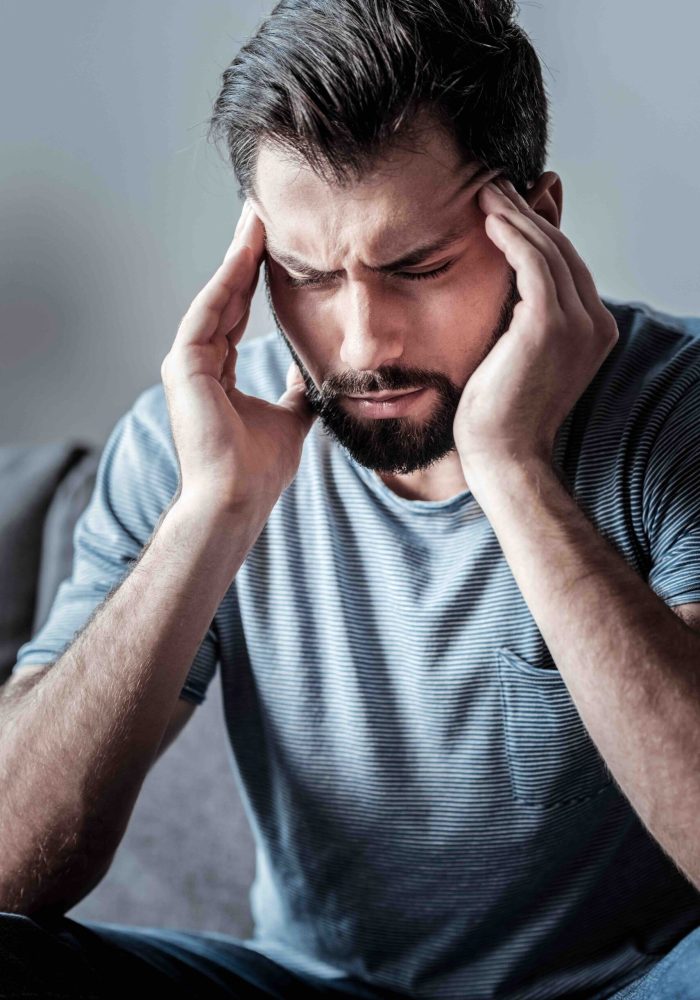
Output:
x=67 y=960
x=676 y=976
x=71 y=960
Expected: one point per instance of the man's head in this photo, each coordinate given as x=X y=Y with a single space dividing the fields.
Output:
x=361 y=130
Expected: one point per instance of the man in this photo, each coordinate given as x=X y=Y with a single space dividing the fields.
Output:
x=463 y=710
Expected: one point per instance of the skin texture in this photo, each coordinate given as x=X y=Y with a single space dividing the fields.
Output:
x=362 y=331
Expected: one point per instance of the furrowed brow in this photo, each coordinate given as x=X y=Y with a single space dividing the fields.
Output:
x=413 y=258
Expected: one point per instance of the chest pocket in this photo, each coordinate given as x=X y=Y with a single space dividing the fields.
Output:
x=551 y=758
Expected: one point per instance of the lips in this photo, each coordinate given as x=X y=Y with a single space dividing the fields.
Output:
x=381 y=396
x=386 y=404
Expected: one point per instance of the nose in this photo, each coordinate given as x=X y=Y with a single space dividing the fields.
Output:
x=371 y=328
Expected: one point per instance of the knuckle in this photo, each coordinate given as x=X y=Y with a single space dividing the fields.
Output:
x=534 y=255
x=606 y=326
x=166 y=367
x=588 y=327
x=558 y=323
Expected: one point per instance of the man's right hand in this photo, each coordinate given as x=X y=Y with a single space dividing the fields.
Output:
x=233 y=449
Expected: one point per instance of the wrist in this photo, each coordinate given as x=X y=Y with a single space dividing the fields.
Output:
x=199 y=510
x=490 y=477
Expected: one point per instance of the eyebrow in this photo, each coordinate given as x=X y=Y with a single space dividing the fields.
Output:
x=418 y=255
x=414 y=257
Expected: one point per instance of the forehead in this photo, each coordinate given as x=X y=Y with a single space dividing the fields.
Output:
x=409 y=193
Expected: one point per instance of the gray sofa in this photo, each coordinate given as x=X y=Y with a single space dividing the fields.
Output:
x=187 y=858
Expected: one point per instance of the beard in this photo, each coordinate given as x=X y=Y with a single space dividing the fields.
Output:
x=393 y=445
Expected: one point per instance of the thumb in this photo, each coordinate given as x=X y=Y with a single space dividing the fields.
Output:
x=294 y=397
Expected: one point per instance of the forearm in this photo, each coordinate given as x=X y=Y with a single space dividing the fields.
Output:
x=631 y=665
x=76 y=747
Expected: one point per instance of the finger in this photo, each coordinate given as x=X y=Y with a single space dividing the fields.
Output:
x=234 y=309
x=245 y=212
x=254 y=233
x=480 y=178
x=295 y=399
x=533 y=276
x=567 y=292
x=228 y=372
x=228 y=287
x=581 y=275
x=250 y=232
x=230 y=315
x=293 y=376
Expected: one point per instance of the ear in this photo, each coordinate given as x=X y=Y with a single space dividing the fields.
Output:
x=545 y=197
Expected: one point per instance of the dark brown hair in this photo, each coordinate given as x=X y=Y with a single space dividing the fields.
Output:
x=335 y=82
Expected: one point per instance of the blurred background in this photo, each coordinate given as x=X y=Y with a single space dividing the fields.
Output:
x=114 y=209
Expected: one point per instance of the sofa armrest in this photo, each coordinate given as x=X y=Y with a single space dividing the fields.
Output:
x=69 y=501
x=29 y=478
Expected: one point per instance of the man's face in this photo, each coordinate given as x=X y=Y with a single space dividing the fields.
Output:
x=362 y=330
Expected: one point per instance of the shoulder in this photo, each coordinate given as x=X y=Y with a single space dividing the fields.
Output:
x=648 y=381
x=655 y=362
x=651 y=336
x=642 y=414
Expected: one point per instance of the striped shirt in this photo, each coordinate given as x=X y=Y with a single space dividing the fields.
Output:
x=429 y=811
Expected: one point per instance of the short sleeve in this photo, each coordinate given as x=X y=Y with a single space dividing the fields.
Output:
x=136 y=480
x=672 y=502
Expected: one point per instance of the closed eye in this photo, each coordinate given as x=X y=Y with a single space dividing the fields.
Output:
x=406 y=275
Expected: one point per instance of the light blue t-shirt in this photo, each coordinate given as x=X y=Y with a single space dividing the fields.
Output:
x=429 y=812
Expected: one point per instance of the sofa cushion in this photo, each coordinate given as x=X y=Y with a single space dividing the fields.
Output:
x=69 y=500
x=30 y=475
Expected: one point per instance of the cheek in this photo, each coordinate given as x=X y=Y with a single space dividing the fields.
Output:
x=470 y=312
x=474 y=295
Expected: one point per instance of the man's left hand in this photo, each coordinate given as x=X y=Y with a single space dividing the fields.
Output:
x=560 y=334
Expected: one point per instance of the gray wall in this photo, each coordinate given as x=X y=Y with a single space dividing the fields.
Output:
x=114 y=210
